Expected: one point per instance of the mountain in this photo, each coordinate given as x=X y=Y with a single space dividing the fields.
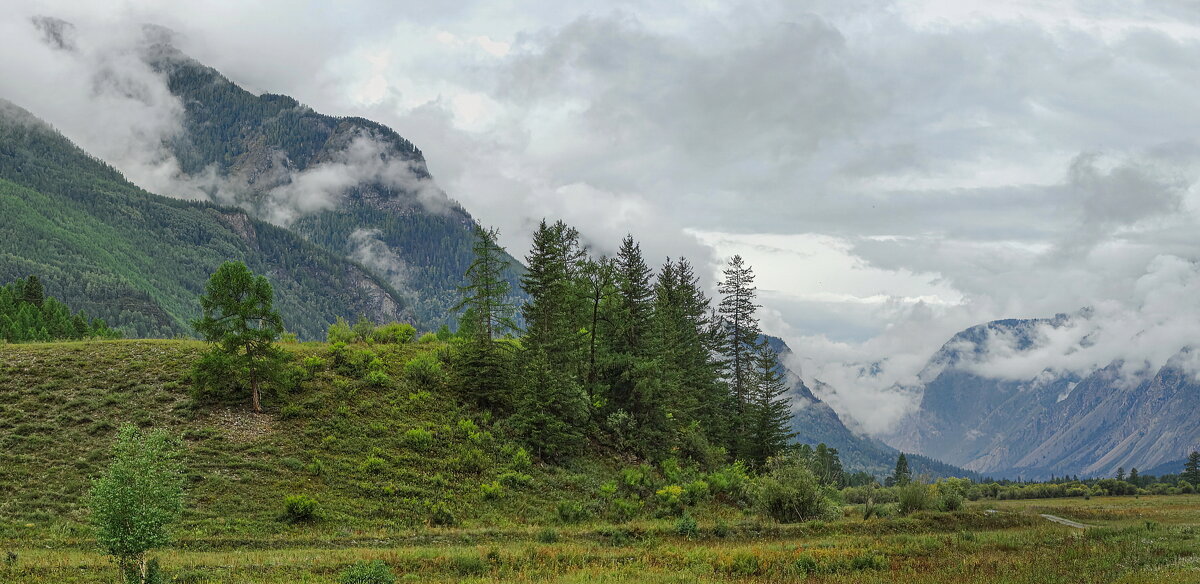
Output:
x=815 y=422
x=350 y=185
x=139 y=260
x=1053 y=422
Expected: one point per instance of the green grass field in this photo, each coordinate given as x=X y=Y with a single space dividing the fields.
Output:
x=61 y=403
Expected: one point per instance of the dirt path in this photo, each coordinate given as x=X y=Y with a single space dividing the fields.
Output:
x=1066 y=522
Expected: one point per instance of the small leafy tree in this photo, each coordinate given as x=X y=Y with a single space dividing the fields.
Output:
x=137 y=499
x=240 y=320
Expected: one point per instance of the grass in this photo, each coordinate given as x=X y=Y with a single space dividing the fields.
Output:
x=376 y=458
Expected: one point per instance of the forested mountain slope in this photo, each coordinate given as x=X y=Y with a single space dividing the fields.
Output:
x=139 y=260
x=350 y=185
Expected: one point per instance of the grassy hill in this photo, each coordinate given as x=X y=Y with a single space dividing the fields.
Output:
x=338 y=439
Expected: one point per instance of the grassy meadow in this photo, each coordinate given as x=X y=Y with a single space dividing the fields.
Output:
x=405 y=472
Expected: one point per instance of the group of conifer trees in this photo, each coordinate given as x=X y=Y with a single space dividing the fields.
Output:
x=28 y=315
x=616 y=353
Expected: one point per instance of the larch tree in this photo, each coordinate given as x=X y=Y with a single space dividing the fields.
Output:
x=239 y=320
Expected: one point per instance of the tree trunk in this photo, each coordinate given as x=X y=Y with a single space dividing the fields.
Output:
x=143 y=566
x=254 y=392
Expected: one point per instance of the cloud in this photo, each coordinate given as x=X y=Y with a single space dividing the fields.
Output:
x=896 y=172
x=369 y=250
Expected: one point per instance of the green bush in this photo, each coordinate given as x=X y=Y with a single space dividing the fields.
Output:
x=791 y=493
x=471 y=460
x=491 y=491
x=441 y=516
x=571 y=512
x=424 y=369
x=378 y=378
x=730 y=480
x=513 y=479
x=418 y=439
x=696 y=492
x=686 y=526
x=375 y=572
x=624 y=509
x=914 y=496
x=374 y=465
x=340 y=332
x=521 y=460
x=394 y=333
x=428 y=338
x=299 y=508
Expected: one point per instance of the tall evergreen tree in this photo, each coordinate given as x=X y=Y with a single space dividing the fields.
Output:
x=33 y=292
x=769 y=411
x=739 y=333
x=902 y=475
x=551 y=407
x=1191 y=469
x=484 y=364
x=596 y=278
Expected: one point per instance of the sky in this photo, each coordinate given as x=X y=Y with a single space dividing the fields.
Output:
x=894 y=171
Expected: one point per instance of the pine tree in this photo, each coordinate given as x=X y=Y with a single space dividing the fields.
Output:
x=240 y=320
x=1133 y=476
x=596 y=279
x=739 y=333
x=1121 y=473
x=1191 y=469
x=902 y=475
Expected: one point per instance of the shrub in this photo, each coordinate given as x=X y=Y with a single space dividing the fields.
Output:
x=466 y=428
x=637 y=479
x=375 y=572
x=491 y=491
x=914 y=496
x=428 y=338
x=548 y=535
x=624 y=509
x=791 y=493
x=418 y=439
x=670 y=499
x=521 y=460
x=424 y=369
x=374 y=465
x=686 y=526
x=313 y=363
x=299 y=508
x=730 y=480
x=394 y=333
x=695 y=492
x=378 y=378
x=471 y=460
x=363 y=329
x=951 y=501
x=571 y=512
x=340 y=332
x=868 y=561
x=440 y=515
x=514 y=479
x=746 y=564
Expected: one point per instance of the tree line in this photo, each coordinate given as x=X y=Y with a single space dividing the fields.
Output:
x=28 y=315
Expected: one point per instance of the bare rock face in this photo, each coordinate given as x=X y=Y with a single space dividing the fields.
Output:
x=1055 y=422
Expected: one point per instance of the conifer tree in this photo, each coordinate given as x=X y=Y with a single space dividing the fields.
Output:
x=738 y=337
x=769 y=411
x=484 y=364
x=32 y=292
x=240 y=321
x=1191 y=469
x=902 y=475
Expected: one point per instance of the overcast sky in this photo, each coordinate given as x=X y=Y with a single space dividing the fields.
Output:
x=894 y=172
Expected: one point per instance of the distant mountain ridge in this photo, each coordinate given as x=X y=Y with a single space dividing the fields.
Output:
x=1054 y=422
x=815 y=422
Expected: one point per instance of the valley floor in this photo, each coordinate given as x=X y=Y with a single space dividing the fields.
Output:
x=1134 y=540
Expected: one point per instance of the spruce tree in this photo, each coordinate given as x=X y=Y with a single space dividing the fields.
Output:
x=902 y=475
x=739 y=334
x=1191 y=469
x=769 y=411
x=32 y=291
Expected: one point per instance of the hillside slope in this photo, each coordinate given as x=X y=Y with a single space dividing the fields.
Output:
x=61 y=403
x=139 y=260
